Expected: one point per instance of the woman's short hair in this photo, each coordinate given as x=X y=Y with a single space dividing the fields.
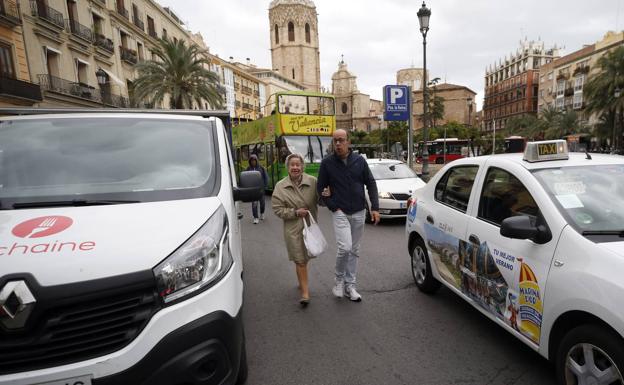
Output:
x=293 y=155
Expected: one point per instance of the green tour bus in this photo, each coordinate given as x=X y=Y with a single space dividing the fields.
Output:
x=300 y=122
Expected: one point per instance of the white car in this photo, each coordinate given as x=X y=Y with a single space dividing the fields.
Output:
x=534 y=241
x=120 y=250
x=395 y=184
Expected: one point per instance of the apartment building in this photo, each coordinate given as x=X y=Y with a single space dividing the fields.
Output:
x=561 y=81
x=511 y=85
x=15 y=86
x=83 y=52
x=459 y=104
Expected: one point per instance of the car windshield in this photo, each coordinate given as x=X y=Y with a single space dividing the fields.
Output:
x=391 y=171
x=590 y=197
x=313 y=148
x=118 y=158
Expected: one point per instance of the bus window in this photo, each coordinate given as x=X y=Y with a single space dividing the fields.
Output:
x=319 y=105
x=244 y=152
x=270 y=154
x=293 y=104
x=282 y=148
x=258 y=150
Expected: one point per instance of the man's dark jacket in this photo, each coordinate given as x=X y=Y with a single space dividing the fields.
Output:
x=346 y=183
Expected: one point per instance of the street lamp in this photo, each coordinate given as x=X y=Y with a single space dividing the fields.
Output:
x=101 y=76
x=424 y=14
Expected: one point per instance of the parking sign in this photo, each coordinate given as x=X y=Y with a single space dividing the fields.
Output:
x=396 y=103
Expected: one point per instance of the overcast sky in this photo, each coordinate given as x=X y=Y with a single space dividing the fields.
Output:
x=379 y=37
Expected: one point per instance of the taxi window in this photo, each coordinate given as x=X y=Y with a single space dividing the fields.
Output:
x=504 y=196
x=455 y=186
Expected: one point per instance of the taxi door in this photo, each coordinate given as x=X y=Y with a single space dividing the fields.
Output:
x=446 y=220
x=509 y=275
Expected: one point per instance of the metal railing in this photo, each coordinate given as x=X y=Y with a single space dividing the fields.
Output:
x=42 y=11
x=246 y=90
x=20 y=88
x=128 y=55
x=9 y=10
x=152 y=33
x=80 y=30
x=67 y=87
x=115 y=100
x=138 y=22
x=104 y=43
x=122 y=11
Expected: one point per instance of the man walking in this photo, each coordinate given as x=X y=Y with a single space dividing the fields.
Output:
x=346 y=174
x=255 y=166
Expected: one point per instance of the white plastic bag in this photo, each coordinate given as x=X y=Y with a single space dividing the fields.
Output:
x=313 y=237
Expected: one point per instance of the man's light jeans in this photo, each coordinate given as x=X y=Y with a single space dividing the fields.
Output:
x=348 y=230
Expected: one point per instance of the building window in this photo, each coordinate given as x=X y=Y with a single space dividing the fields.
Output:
x=578 y=101
x=344 y=108
x=578 y=83
x=276 y=34
x=7 y=67
x=164 y=34
x=81 y=71
x=307 y=33
x=140 y=51
x=291 y=31
x=560 y=88
x=293 y=73
x=52 y=63
x=151 y=27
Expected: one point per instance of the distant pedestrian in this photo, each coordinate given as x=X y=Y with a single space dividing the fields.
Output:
x=255 y=166
x=346 y=174
x=294 y=197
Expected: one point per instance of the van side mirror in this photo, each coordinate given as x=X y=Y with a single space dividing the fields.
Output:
x=520 y=227
x=250 y=188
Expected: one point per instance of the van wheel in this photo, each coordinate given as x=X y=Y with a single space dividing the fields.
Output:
x=242 y=368
x=590 y=354
x=421 y=268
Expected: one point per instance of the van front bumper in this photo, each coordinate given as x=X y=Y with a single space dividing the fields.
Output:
x=204 y=352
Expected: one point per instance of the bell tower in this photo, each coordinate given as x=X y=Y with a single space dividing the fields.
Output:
x=294 y=41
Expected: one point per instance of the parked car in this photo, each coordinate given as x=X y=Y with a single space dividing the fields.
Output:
x=120 y=250
x=534 y=241
x=395 y=184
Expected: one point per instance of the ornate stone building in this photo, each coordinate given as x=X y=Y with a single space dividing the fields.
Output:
x=411 y=77
x=354 y=110
x=294 y=41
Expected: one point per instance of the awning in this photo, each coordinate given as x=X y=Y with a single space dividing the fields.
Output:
x=82 y=61
x=115 y=78
x=56 y=51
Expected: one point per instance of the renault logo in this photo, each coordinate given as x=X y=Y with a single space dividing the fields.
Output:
x=16 y=304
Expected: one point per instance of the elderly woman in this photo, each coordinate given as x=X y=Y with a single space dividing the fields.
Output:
x=293 y=198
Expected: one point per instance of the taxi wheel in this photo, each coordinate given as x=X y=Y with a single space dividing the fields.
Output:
x=421 y=268
x=590 y=354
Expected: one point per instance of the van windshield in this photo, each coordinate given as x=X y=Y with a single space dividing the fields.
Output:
x=115 y=158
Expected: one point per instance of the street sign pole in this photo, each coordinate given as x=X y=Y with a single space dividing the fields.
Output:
x=410 y=131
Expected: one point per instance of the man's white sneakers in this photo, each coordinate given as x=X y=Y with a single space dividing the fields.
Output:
x=352 y=294
x=338 y=289
x=255 y=221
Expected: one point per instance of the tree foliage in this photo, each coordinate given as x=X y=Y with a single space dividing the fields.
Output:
x=180 y=72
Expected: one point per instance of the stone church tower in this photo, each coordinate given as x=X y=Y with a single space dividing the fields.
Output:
x=294 y=41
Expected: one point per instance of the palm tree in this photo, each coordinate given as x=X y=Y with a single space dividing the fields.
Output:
x=601 y=88
x=179 y=72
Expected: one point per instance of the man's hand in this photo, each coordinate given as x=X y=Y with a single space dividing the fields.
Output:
x=301 y=213
x=375 y=217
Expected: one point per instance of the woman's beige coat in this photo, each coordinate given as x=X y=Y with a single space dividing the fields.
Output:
x=286 y=199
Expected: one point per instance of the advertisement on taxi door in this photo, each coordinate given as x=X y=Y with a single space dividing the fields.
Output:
x=499 y=282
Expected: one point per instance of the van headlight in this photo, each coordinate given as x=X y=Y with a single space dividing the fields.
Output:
x=199 y=263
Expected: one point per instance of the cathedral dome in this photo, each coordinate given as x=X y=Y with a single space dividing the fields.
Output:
x=307 y=3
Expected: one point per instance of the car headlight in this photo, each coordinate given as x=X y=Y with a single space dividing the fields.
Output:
x=385 y=195
x=199 y=263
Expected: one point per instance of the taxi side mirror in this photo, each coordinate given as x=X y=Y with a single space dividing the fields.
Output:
x=250 y=188
x=521 y=227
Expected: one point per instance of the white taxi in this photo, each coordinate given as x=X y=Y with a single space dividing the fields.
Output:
x=534 y=241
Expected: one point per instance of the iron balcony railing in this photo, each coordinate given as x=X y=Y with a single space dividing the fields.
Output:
x=104 y=43
x=138 y=22
x=20 y=89
x=152 y=33
x=246 y=90
x=122 y=11
x=81 y=90
x=128 y=55
x=9 y=11
x=42 y=11
x=80 y=30
x=115 y=100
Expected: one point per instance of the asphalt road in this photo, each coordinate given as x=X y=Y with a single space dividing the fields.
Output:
x=396 y=335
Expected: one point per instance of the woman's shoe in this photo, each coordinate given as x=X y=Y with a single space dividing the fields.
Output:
x=304 y=302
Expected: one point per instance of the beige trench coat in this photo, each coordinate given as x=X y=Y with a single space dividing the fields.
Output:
x=286 y=199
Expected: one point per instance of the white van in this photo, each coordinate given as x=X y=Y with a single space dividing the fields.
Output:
x=120 y=250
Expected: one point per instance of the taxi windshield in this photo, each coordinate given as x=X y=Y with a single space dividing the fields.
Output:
x=590 y=197
x=105 y=158
x=391 y=171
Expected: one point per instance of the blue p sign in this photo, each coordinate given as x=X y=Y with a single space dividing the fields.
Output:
x=396 y=103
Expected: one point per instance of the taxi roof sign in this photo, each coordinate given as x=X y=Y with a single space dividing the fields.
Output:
x=546 y=150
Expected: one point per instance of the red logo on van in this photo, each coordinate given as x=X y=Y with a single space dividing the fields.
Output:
x=42 y=226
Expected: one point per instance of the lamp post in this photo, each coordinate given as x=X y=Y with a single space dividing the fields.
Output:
x=101 y=76
x=616 y=94
x=423 y=19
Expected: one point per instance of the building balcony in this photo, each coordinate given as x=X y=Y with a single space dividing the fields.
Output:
x=238 y=104
x=122 y=11
x=115 y=100
x=128 y=55
x=10 y=13
x=20 y=89
x=246 y=90
x=51 y=15
x=68 y=87
x=152 y=33
x=247 y=106
x=103 y=42
x=138 y=22
x=80 y=30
